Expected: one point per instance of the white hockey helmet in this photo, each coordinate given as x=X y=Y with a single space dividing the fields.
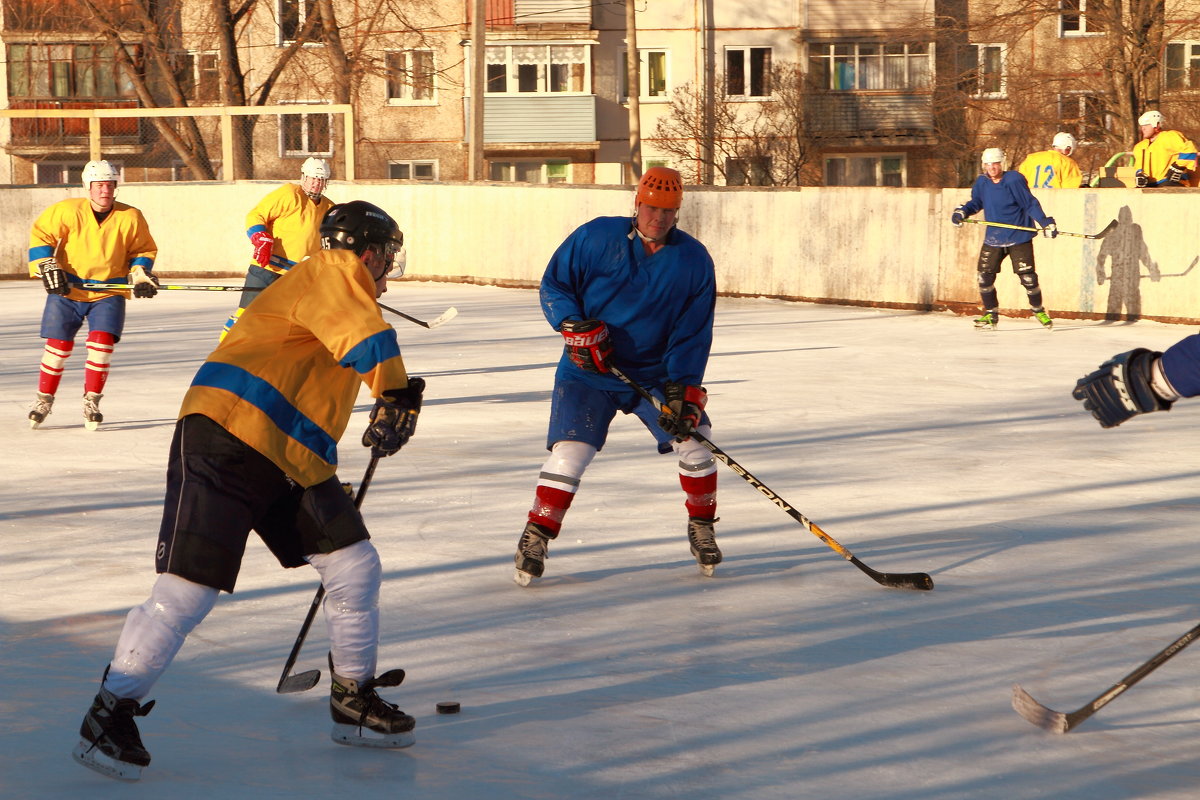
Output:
x=99 y=171
x=992 y=155
x=1063 y=141
x=315 y=168
x=1154 y=118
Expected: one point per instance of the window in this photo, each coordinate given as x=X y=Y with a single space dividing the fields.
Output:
x=858 y=66
x=293 y=15
x=747 y=72
x=1084 y=114
x=753 y=171
x=652 y=73
x=412 y=170
x=856 y=170
x=1182 y=65
x=48 y=172
x=66 y=70
x=1082 y=17
x=181 y=172
x=306 y=134
x=199 y=75
x=531 y=171
x=538 y=69
x=986 y=72
x=410 y=76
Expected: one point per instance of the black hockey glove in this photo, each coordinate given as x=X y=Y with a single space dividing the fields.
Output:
x=53 y=278
x=587 y=343
x=394 y=419
x=685 y=404
x=144 y=284
x=1121 y=389
x=1176 y=175
x=1140 y=180
x=956 y=219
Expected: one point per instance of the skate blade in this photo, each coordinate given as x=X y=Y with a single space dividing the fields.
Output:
x=33 y=424
x=91 y=425
x=354 y=736
x=93 y=758
x=707 y=569
x=522 y=578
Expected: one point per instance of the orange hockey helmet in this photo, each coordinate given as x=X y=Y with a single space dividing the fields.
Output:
x=660 y=187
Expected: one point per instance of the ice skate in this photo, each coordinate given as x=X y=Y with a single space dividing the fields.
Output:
x=91 y=411
x=109 y=741
x=1044 y=318
x=41 y=409
x=988 y=321
x=361 y=718
x=532 y=550
x=704 y=544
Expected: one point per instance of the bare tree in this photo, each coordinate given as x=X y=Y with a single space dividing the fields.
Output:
x=760 y=143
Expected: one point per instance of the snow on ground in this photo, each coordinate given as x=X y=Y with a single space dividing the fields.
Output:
x=1063 y=556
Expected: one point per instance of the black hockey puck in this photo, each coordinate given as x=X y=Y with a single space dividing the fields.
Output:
x=448 y=707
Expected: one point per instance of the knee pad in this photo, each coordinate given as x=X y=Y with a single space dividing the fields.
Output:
x=986 y=280
x=154 y=632
x=569 y=459
x=694 y=457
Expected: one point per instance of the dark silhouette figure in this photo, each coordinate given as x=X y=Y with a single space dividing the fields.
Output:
x=1126 y=247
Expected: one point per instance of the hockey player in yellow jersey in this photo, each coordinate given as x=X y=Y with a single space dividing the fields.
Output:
x=77 y=242
x=255 y=449
x=1053 y=168
x=282 y=229
x=1163 y=158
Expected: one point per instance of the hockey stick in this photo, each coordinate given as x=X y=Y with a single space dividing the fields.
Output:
x=894 y=580
x=303 y=681
x=173 y=287
x=1107 y=229
x=1058 y=722
x=447 y=315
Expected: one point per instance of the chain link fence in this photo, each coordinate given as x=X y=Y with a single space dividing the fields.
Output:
x=48 y=142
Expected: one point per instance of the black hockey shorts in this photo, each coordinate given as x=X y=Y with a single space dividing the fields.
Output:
x=219 y=489
x=1019 y=255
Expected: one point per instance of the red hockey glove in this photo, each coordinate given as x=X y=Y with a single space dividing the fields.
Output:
x=587 y=343
x=263 y=244
x=686 y=405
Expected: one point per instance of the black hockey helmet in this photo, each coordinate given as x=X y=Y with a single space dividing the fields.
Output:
x=357 y=225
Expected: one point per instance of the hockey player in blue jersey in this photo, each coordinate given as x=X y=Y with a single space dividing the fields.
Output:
x=639 y=294
x=1004 y=197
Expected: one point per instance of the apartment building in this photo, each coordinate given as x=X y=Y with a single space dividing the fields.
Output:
x=846 y=92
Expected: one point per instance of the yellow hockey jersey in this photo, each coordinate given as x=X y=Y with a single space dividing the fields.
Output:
x=1168 y=147
x=293 y=220
x=285 y=379
x=90 y=251
x=1050 y=169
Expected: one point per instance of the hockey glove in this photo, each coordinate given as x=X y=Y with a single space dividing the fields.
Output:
x=1176 y=174
x=263 y=244
x=587 y=344
x=1121 y=388
x=1140 y=180
x=394 y=419
x=685 y=406
x=53 y=278
x=1050 y=229
x=957 y=217
x=144 y=284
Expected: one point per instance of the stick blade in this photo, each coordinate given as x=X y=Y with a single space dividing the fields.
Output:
x=447 y=315
x=918 y=581
x=300 y=682
x=1036 y=713
x=1107 y=230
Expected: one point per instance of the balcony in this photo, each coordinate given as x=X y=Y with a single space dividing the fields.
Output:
x=36 y=135
x=538 y=118
x=855 y=115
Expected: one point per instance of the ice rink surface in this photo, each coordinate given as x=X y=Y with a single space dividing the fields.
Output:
x=1063 y=556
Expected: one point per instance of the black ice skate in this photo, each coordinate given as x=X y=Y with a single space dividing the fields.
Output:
x=41 y=409
x=362 y=718
x=532 y=549
x=109 y=741
x=91 y=411
x=704 y=544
